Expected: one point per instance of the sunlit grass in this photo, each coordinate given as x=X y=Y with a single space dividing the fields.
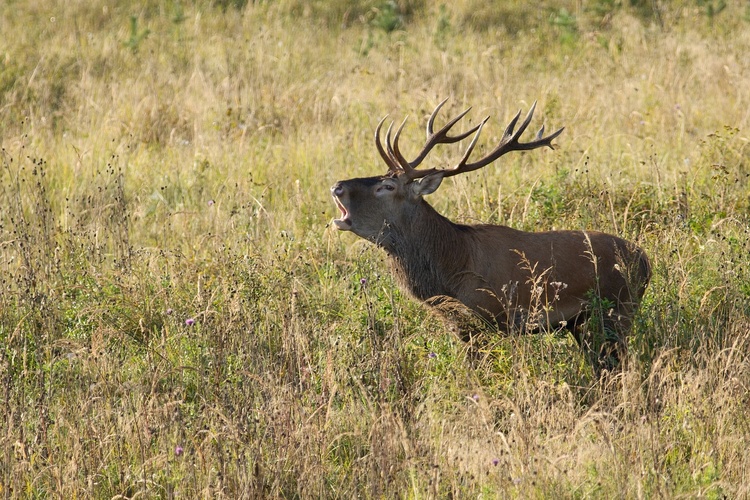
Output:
x=177 y=319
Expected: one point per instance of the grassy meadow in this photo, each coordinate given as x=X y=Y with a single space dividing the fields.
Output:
x=179 y=319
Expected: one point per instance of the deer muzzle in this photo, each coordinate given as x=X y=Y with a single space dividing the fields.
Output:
x=343 y=223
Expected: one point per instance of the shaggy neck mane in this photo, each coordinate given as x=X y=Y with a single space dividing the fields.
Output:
x=426 y=252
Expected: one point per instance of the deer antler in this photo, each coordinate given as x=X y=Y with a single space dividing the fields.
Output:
x=397 y=164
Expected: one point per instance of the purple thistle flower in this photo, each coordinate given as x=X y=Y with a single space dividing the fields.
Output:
x=432 y=355
x=190 y=322
x=169 y=311
x=178 y=450
x=210 y=203
x=495 y=461
x=363 y=281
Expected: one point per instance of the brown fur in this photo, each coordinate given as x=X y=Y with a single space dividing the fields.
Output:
x=513 y=279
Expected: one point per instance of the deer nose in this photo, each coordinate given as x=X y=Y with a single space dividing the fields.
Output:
x=337 y=189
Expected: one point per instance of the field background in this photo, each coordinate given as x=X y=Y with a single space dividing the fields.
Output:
x=178 y=319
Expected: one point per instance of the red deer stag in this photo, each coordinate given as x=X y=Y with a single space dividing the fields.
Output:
x=515 y=280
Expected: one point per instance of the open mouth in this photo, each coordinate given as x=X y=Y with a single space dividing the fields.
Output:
x=343 y=223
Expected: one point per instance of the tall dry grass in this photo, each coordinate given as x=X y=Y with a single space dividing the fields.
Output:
x=178 y=320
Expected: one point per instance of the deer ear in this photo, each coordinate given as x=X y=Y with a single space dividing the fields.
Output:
x=427 y=184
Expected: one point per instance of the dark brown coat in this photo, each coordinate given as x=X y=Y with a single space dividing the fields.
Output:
x=515 y=280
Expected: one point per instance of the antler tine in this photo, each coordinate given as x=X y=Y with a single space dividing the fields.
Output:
x=433 y=139
x=397 y=157
x=431 y=121
x=444 y=131
x=473 y=143
x=441 y=136
x=509 y=142
x=390 y=161
x=405 y=165
x=538 y=142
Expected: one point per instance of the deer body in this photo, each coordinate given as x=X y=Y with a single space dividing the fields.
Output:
x=510 y=278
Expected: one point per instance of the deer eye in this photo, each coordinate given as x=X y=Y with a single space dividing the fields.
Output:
x=387 y=186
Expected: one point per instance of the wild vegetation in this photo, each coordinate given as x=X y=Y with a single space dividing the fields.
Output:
x=178 y=320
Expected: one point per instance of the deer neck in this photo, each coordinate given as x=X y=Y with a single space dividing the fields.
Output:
x=427 y=252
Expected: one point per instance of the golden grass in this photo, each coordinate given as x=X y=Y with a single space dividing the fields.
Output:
x=178 y=168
